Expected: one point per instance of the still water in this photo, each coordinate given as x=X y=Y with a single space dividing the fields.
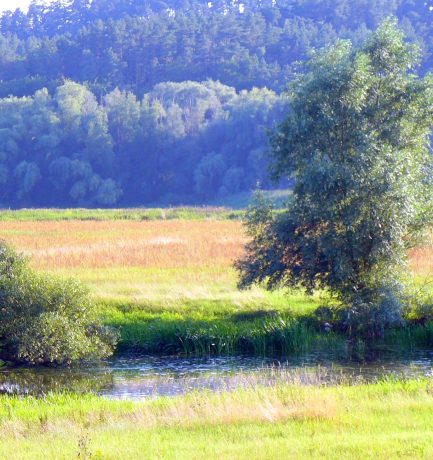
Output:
x=137 y=377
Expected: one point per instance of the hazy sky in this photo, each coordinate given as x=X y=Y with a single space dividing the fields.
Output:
x=13 y=4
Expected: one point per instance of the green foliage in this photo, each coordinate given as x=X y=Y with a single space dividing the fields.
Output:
x=123 y=102
x=44 y=320
x=356 y=143
x=182 y=142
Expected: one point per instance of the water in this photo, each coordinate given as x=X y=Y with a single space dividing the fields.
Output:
x=137 y=377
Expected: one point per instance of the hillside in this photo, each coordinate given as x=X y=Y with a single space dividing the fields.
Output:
x=129 y=102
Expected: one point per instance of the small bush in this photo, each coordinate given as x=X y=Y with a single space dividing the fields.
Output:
x=47 y=320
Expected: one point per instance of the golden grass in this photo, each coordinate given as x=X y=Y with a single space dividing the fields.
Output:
x=150 y=244
x=158 y=244
x=255 y=405
x=421 y=260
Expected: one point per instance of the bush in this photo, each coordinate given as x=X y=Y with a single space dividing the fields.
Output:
x=47 y=320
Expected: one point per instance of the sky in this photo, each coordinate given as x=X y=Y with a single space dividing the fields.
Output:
x=13 y=4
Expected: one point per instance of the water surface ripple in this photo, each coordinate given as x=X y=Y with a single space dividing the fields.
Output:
x=137 y=377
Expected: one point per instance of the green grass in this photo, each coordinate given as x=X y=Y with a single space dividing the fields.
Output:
x=231 y=207
x=137 y=214
x=378 y=421
x=243 y=199
x=200 y=311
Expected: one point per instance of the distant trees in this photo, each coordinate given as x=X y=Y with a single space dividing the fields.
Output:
x=135 y=44
x=143 y=101
x=356 y=142
x=182 y=142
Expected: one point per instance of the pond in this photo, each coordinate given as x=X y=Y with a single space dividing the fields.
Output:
x=137 y=377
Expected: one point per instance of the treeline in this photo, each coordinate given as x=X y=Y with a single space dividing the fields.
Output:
x=181 y=142
x=135 y=44
x=137 y=127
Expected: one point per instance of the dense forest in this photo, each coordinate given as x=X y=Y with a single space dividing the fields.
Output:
x=132 y=102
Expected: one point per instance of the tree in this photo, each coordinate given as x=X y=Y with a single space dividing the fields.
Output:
x=356 y=143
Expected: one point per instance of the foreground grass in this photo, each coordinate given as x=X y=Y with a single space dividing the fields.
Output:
x=384 y=420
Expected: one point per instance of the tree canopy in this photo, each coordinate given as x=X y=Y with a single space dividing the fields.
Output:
x=181 y=142
x=131 y=102
x=356 y=142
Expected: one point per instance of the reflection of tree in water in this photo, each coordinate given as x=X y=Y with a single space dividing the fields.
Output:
x=39 y=381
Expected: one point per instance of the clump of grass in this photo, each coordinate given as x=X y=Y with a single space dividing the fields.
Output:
x=273 y=335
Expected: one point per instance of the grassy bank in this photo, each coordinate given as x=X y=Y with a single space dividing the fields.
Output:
x=384 y=420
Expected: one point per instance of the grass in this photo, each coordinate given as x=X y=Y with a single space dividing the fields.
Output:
x=241 y=200
x=381 y=421
x=170 y=286
x=134 y=214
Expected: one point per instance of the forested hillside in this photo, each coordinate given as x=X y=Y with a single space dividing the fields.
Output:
x=136 y=102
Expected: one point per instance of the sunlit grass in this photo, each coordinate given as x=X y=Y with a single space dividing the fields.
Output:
x=384 y=420
x=134 y=214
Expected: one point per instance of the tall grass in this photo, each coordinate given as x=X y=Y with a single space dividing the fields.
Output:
x=269 y=336
x=386 y=420
x=95 y=245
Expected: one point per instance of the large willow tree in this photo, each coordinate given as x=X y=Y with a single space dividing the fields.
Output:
x=356 y=143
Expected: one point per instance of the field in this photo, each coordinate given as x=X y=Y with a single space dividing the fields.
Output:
x=169 y=284
x=378 y=421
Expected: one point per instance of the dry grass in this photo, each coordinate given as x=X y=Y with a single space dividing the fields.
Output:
x=421 y=260
x=159 y=244
x=149 y=244
x=254 y=405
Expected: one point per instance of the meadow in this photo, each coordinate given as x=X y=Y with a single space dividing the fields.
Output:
x=389 y=419
x=169 y=283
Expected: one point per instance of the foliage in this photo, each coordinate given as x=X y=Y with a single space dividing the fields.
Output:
x=356 y=142
x=183 y=142
x=44 y=319
x=136 y=44
x=137 y=126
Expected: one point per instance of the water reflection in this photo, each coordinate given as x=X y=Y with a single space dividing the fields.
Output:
x=134 y=377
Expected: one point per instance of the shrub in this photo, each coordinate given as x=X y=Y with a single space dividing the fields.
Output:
x=47 y=320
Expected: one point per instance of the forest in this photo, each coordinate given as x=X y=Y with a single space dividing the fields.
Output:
x=132 y=102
